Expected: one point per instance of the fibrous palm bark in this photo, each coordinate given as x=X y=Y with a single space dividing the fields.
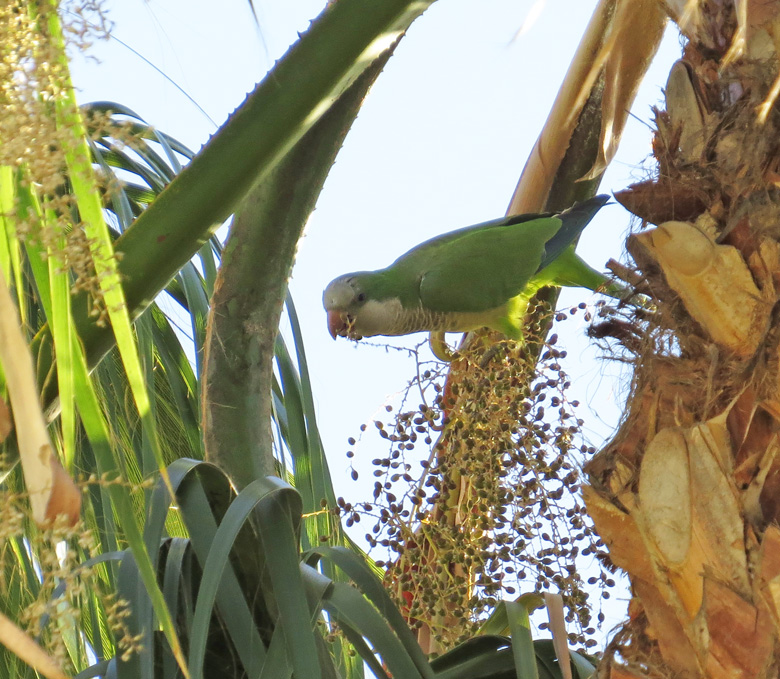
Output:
x=685 y=496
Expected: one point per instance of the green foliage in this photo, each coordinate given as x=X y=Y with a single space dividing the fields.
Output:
x=171 y=573
x=240 y=593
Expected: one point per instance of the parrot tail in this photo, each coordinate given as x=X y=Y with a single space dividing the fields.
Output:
x=573 y=221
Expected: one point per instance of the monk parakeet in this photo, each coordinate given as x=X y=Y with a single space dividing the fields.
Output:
x=478 y=276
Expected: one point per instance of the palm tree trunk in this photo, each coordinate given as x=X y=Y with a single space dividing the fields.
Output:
x=685 y=496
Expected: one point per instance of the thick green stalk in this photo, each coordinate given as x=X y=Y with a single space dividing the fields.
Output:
x=250 y=290
x=342 y=43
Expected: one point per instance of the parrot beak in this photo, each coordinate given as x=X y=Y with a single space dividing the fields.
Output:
x=337 y=325
x=340 y=325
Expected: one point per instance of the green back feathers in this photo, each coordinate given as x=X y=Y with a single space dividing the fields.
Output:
x=480 y=267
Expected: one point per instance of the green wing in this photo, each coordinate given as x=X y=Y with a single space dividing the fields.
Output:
x=484 y=268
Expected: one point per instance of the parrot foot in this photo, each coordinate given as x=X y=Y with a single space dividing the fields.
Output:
x=439 y=347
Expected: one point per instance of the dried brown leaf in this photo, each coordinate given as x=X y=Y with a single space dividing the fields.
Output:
x=713 y=282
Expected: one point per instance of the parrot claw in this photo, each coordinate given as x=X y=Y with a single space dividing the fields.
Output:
x=439 y=347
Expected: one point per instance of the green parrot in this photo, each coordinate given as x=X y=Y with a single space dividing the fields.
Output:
x=478 y=276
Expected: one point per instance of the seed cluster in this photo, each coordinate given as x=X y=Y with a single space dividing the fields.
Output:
x=52 y=606
x=33 y=82
x=491 y=508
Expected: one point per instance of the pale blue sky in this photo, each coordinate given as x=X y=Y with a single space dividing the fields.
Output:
x=439 y=144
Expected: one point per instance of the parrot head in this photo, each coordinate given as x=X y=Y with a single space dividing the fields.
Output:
x=353 y=311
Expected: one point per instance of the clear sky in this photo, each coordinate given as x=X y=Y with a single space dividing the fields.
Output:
x=439 y=144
